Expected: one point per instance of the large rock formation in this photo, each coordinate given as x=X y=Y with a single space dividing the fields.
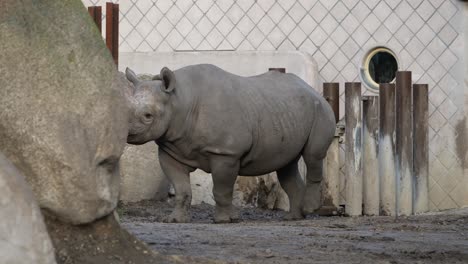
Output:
x=63 y=120
x=23 y=236
x=63 y=123
x=142 y=177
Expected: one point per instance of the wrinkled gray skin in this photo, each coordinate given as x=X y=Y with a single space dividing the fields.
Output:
x=228 y=125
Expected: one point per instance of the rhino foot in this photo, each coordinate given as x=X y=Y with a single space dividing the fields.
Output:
x=177 y=217
x=291 y=216
x=312 y=201
x=222 y=216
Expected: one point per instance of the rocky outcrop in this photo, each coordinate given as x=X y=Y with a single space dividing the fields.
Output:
x=142 y=177
x=23 y=236
x=63 y=120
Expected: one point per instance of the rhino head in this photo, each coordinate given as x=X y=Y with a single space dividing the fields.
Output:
x=150 y=105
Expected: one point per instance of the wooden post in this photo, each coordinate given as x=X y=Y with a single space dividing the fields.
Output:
x=420 y=147
x=353 y=142
x=370 y=168
x=96 y=13
x=387 y=173
x=331 y=92
x=404 y=143
x=112 y=30
x=330 y=183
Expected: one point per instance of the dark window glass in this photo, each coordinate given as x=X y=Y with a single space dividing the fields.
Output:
x=383 y=67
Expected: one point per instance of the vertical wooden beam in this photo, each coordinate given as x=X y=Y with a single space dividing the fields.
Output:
x=112 y=30
x=387 y=173
x=404 y=143
x=330 y=183
x=353 y=142
x=421 y=147
x=331 y=92
x=96 y=13
x=370 y=168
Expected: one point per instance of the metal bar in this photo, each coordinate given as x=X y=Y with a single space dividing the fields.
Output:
x=331 y=92
x=404 y=143
x=98 y=17
x=91 y=11
x=330 y=183
x=370 y=168
x=96 y=13
x=420 y=147
x=353 y=145
x=112 y=30
x=387 y=173
x=115 y=37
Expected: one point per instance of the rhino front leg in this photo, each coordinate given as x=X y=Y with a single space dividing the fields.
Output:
x=224 y=171
x=178 y=174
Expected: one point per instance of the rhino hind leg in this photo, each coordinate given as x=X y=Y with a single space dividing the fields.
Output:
x=312 y=196
x=179 y=175
x=292 y=183
x=224 y=171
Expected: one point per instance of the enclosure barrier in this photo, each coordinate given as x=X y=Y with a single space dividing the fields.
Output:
x=370 y=168
x=420 y=147
x=331 y=180
x=112 y=26
x=404 y=143
x=96 y=13
x=353 y=149
x=386 y=149
x=112 y=30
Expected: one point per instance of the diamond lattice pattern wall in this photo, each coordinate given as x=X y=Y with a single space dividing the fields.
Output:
x=426 y=36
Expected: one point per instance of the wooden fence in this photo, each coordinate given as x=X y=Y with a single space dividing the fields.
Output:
x=386 y=149
x=112 y=26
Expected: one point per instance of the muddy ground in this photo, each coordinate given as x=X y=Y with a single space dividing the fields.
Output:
x=262 y=236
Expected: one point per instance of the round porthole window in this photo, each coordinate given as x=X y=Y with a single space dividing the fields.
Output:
x=379 y=66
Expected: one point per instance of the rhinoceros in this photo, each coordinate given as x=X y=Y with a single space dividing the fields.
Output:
x=228 y=125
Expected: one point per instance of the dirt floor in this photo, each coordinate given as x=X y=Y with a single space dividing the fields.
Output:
x=262 y=236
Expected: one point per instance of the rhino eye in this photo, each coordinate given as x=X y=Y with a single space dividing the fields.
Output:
x=148 y=116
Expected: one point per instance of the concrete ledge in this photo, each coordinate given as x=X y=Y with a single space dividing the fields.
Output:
x=244 y=63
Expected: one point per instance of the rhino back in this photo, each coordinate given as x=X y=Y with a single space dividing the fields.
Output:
x=264 y=119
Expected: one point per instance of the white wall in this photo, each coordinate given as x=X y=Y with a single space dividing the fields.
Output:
x=427 y=36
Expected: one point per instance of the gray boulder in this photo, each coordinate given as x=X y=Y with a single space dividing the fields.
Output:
x=62 y=117
x=23 y=236
x=142 y=178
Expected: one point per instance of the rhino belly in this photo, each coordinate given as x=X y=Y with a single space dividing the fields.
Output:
x=270 y=155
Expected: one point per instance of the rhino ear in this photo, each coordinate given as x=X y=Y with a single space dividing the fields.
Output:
x=168 y=79
x=131 y=76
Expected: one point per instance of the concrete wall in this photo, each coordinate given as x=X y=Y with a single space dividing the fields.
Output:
x=245 y=63
x=426 y=35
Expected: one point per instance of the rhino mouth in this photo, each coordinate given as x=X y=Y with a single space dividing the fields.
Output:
x=135 y=139
x=131 y=137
